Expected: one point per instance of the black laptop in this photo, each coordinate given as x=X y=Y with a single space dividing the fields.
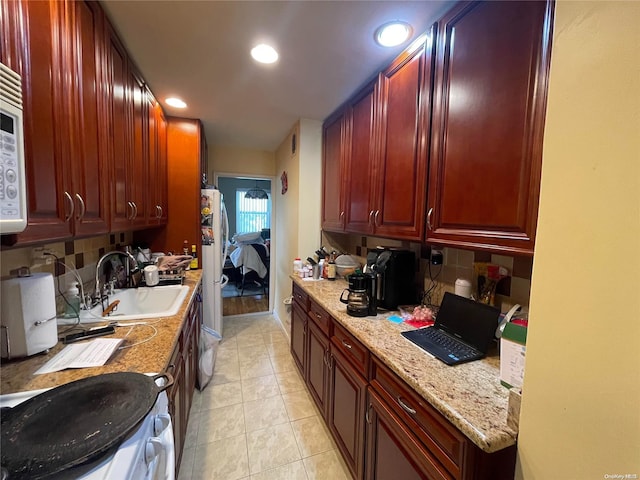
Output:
x=462 y=332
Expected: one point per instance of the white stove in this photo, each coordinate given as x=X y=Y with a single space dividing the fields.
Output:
x=148 y=453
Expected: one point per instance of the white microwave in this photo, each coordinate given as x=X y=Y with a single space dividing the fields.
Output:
x=13 y=193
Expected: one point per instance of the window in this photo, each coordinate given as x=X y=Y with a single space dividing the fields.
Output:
x=252 y=214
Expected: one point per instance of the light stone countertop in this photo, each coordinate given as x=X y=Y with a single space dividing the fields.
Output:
x=469 y=395
x=149 y=357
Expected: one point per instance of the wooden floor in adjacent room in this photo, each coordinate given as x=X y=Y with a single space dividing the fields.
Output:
x=250 y=302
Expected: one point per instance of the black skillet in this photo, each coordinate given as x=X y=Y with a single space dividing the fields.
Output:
x=74 y=423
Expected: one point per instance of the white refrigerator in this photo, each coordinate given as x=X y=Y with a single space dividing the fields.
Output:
x=215 y=232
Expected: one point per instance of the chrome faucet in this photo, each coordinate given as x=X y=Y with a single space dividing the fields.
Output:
x=127 y=255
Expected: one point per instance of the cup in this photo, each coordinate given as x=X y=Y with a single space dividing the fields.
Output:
x=317 y=270
x=151 y=275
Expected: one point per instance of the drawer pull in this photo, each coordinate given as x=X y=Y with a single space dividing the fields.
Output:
x=405 y=407
x=71 y=206
x=83 y=208
x=347 y=345
x=318 y=316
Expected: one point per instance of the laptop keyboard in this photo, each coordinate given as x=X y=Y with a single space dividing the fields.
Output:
x=457 y=350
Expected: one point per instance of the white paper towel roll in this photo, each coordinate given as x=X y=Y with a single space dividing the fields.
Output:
x=28 y=315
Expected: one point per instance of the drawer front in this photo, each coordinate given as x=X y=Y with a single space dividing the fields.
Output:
x=300 y=297
x=320 y=317
x=440 y=437
x=356 y=352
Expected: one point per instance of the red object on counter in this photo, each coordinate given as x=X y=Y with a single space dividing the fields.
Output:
x=418 y=323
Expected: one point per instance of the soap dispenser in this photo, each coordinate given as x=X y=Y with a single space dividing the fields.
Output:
x=73 y=301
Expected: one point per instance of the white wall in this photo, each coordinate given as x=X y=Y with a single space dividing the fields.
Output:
x=310 y=193
x=286 y=229
x=298 y=211
x=580 y=415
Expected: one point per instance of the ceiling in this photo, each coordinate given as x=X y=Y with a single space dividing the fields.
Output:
x=199 y=51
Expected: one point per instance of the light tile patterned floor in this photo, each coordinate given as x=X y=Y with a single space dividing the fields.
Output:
x=256 y=420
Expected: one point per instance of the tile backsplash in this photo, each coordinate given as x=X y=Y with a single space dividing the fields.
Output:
x=457 y=263
x=81 y=255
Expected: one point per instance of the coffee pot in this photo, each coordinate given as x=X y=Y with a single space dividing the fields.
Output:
x=357 y=299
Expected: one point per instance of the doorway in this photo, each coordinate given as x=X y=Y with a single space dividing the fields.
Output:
x=248 y=201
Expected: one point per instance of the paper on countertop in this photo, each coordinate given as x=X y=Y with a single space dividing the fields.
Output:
x=94 y=353
x=311 y=279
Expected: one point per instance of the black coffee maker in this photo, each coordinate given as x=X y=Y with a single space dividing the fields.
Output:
x=357 y=300
x=394 y=271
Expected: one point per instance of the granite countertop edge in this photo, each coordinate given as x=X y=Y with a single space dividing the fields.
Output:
x=469 y=395
x=152 y=356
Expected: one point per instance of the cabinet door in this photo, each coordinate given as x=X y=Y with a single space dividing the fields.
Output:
x=299 y=337
x=176 y=394
x=346 y=420
x=317 y=361
x=360 y=172
x=488 y=119
x=157 y=167
x=334 y=136
x=392 y=451
x=118 y=114
x=401 y=180
x=89 y=160
x=152 y=210
x=35 y=50
x=137 y=173
x=161 y=166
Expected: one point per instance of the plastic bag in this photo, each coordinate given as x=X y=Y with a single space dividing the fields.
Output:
x=207 y=349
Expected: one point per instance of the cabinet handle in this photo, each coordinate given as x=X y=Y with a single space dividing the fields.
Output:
x=83 y=208
x=406 y=407
x=341 y=216
x=325 y=358
x=158 y=211
x=366 y=415
x=429 y=219
x=135 y=210
x=346 y=344
x=130 y=216
x=71 y=208
x=318 y=316
x=161 y=212
x=370 y=217
x=375 y=219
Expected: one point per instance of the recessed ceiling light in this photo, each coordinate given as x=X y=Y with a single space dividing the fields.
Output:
x=175 y=102
x=393 y=33
x=264 y=53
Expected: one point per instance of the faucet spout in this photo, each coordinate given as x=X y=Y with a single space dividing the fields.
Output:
x=130 y=259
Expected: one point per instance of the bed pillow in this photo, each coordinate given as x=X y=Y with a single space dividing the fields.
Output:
x=252 y=237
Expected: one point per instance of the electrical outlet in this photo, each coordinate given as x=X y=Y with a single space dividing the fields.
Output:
x=39 y=256
x=437 y=257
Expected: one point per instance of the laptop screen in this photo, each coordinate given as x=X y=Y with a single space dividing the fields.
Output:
x=472 y=322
